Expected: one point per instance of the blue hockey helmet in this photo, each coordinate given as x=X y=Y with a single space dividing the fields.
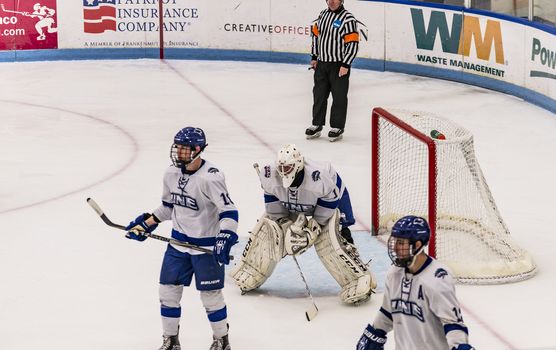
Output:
x=192 y=138
x=407 y=231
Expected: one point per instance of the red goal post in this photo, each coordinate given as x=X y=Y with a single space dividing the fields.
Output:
x=440 y=179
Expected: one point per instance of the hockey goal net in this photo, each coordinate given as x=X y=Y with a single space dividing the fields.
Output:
x=440 y=179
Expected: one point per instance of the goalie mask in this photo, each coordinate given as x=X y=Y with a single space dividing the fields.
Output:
x=289 y=163
x=402 y=242
x=184 y=149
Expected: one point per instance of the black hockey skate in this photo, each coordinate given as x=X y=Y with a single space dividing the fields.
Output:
x=170 y=342
x=313 y=131
x=221 y=344
x=335 y=134
x=346 y=234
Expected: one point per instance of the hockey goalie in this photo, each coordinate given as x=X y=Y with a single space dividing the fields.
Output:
x=306 y=204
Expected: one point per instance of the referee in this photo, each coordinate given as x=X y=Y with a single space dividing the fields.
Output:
x=335 y=41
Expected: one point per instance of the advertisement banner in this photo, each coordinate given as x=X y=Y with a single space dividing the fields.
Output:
x=28 y=25
x=455 y=40
x=540 y=62
x=125 y=23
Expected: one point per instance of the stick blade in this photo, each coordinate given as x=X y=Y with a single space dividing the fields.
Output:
x=311 y=313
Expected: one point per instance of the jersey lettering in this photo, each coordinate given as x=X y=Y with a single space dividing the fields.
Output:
x=184 y=200
x=457 y=313
x=407 y=308
x=300 y=208
x=226 y=198
x=420 y=295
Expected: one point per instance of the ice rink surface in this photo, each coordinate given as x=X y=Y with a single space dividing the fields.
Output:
x=103 y=129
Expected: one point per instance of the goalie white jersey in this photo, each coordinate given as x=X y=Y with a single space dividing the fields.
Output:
x=424 y=308
x=198 y=204
x=318 y=195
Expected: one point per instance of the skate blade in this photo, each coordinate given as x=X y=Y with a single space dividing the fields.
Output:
x=334 y=139
x=310 y=137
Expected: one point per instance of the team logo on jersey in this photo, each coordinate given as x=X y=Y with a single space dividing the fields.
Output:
x=267 y=171
x=315 y=175
x=407 y=283
x=213 y=170
x=441 y=273
x=292 y=194
x=182 y=182
x=337 y=23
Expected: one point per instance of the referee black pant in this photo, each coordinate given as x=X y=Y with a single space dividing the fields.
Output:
x=326 y=82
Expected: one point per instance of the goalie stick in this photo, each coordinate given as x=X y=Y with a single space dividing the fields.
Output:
x=109 y=222
x=312 y=311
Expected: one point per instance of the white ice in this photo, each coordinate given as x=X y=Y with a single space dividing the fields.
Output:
x=102 y=129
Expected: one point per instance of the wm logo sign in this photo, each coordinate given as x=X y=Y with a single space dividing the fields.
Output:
x=465 y=31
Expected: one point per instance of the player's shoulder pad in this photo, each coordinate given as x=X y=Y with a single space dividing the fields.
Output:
x=212 y=173
x=267 y=171
x=269 y=176
x=440 y=273
x=315 y=175
x=320 y=171
x=171 y=169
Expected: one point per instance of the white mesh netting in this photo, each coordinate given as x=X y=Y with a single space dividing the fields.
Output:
x=471 y=237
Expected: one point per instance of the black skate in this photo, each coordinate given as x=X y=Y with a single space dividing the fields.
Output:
x=170 y=342
x=313 y=131
x=221 y=344
x=346 y=234
x=335 y=134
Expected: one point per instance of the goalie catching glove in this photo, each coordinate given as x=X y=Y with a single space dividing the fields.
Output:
x=301 y=235
x=137 y=228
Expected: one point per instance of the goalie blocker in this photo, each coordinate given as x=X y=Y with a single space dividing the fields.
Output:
x=270 y=241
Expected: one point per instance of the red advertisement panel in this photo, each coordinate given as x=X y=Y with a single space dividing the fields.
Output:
x=28 y=25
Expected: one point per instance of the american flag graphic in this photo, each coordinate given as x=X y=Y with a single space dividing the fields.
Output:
x=99 y=16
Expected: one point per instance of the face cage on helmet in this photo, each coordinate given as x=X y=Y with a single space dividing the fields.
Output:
x=174 y=156
x=401 y=261
x=285 y=169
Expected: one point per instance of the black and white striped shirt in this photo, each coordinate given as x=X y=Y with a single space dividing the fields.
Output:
x=335 y=37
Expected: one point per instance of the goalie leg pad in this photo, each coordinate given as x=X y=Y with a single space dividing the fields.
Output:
x=264 y=249
x=342 y=261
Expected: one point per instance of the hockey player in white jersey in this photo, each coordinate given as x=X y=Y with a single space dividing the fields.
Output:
x=195 y=198
x=420 y=302
x=306 y=203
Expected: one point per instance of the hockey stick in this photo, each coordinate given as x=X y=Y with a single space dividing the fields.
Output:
x=19 y=13
x=109 y=222
x=312 y=312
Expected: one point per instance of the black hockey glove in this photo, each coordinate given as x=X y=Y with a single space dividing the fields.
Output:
x=224 y=242
x=372 y=339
